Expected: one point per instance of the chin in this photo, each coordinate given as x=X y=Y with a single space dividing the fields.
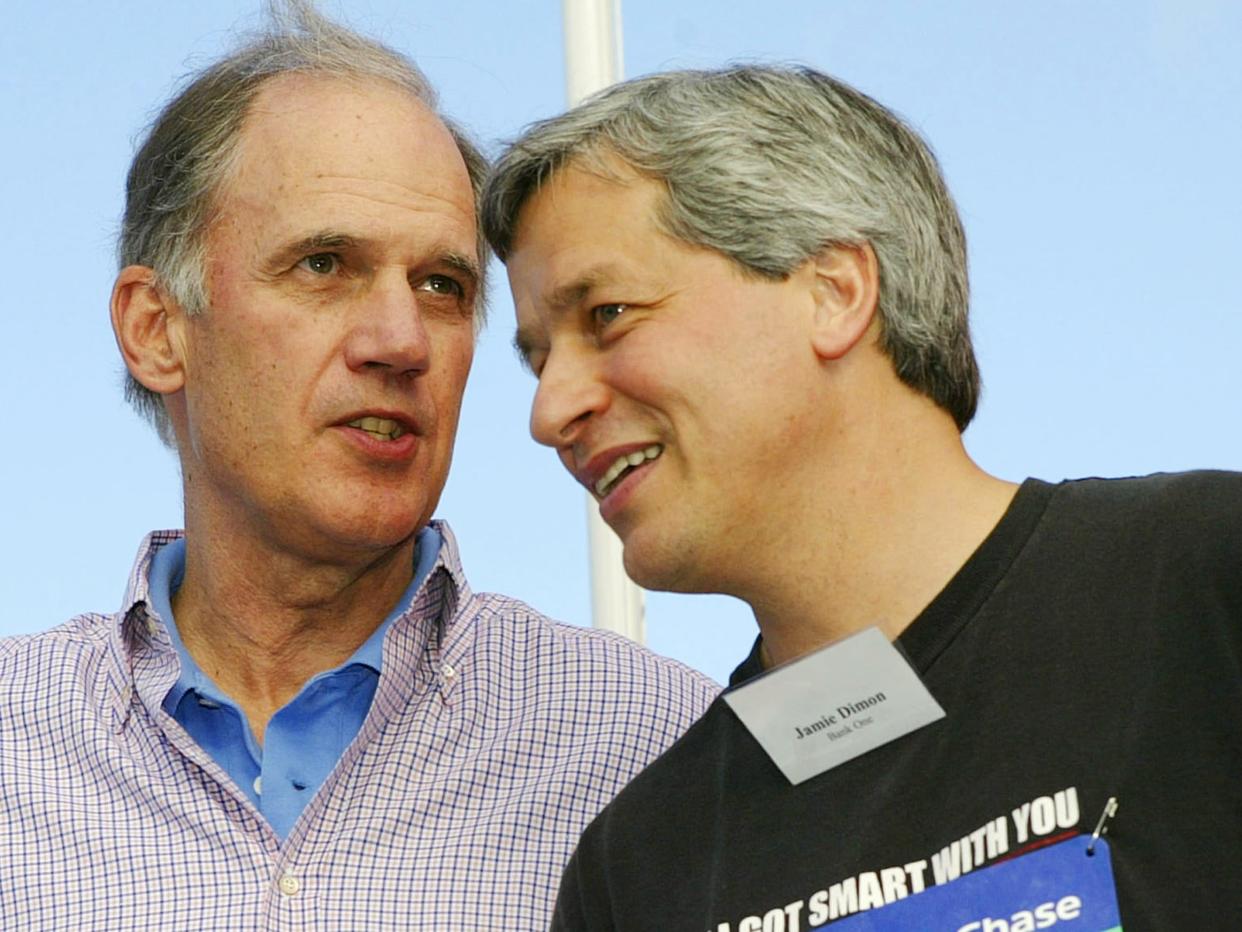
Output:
x=380 y=531
x=663 y=567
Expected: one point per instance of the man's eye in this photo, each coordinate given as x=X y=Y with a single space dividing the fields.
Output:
x=443 y=284
x=604 y=314
x=321 y=263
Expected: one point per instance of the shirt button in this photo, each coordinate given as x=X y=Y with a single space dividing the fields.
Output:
x=450 y=673
x=258 y=785
x=126 y=695
x=289 y=885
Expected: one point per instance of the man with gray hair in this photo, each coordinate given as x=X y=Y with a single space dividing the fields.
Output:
x=744 y=295
x=302 y=717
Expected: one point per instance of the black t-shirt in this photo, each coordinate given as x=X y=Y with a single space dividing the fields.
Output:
x=1090 y=648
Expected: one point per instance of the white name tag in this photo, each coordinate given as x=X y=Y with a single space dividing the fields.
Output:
x=832 y=705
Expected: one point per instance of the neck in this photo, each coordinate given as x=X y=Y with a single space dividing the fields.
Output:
x=262 y=620
x=888 y=522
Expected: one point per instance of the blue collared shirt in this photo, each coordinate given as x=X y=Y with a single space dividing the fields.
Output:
x=306 y=737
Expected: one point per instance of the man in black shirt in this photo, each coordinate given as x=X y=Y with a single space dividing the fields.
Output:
x=744 y=295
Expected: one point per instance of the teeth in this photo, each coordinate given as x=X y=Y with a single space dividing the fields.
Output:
x=622 y=463
x=381 y=428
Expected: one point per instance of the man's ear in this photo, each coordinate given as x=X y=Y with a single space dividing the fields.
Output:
x=143 y=320
x=847 y=296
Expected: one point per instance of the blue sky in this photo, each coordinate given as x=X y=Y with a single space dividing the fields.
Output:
x=1093 y=148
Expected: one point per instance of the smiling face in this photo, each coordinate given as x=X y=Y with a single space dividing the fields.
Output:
x=681 y=392
x=322 y=385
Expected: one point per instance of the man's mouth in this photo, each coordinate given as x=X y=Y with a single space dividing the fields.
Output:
x=622 y=465
x=381 y=428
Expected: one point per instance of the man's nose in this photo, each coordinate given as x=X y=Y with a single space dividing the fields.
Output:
x=388 y=330
x=571 y=392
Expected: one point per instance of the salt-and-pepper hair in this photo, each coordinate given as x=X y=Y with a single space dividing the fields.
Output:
x=190 y=151
x=768 y=165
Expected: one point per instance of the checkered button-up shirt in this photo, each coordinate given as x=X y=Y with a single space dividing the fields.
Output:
x=495 y=734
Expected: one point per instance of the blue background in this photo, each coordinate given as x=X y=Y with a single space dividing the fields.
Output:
x=1094 y=150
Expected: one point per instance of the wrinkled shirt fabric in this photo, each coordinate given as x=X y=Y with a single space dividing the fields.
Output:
x=305 y=737
x=494 y=735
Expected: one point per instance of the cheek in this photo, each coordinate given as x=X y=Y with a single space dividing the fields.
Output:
x=663 y=376
x=455 y=356
x=464 y=358
x=647 y=363
x=247 y=382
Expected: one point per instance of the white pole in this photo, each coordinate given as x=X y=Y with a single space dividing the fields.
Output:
x=592 y=46
x=592 y=62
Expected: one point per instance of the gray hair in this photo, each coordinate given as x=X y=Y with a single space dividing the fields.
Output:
x=190 y=151
x=768 y=165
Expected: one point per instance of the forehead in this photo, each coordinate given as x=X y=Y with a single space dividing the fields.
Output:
x=583 y=228
x=577 y=192
x=315 y=141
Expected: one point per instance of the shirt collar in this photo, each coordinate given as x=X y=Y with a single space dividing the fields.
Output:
x=165 y=576
x=143 y=659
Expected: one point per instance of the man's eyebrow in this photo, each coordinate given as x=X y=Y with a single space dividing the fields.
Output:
x=559 y=300
x=327 y=239
x=319 y=241
x=466 y=265
x=525 y=344
x=566 y=296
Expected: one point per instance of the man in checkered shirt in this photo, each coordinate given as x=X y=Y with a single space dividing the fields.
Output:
x=302 y=717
